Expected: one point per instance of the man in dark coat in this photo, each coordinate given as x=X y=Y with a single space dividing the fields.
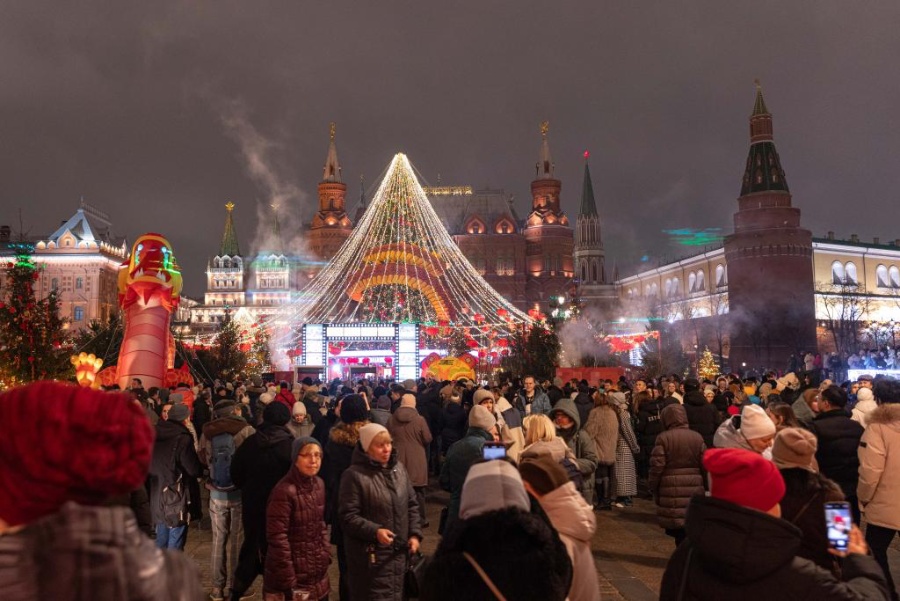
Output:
x=258 y=464
x=649 y=426
x=463 y=454
x=583 y=402
x=676 y=470
x=838 y=437
x=174 y=457
x=702 y=416
x=738 y=548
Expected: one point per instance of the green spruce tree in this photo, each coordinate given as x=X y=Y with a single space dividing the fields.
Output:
x=33 y=341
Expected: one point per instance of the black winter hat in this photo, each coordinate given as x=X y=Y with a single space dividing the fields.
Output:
x=276 y=414
x=353 y=409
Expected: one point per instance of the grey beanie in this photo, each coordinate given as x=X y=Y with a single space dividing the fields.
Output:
x=301 y=442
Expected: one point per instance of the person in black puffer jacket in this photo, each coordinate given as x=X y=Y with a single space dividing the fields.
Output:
x=257 y=466
x=455 y=422
x=838 y=437
x=702 y=416
x=649 y=426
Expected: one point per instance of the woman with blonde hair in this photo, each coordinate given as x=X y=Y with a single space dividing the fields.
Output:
x=541 y=439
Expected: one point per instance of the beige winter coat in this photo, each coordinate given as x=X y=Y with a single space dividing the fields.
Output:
x=879 y=467
x=603 y=426
x=574 y=519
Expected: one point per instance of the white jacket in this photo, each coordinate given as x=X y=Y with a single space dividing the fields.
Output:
x=862 y=410
x=879 y=468
x=574 y=519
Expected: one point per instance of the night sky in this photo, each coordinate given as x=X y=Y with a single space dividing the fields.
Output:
x=161 y=112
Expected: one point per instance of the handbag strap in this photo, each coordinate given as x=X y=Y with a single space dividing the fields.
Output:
x=484 y=577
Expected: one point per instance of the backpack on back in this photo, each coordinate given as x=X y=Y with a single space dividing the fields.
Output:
x=220 y=462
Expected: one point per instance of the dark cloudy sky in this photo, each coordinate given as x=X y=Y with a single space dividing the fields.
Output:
x=160 y=112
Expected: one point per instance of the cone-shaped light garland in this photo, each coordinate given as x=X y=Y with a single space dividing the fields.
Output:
x=400 y=264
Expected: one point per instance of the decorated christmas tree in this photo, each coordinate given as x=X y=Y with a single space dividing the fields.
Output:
x=707 y=368
x=401 y=265
x=259 y=359
x=32 y=332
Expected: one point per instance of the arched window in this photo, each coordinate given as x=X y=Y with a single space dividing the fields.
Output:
x=850 y=274
x=676 y=286
x=583 y=272
x=668 y=287
x=79 y=283
x=881 y=277
x=594 y=277
x=720 y=276
x=692 y=282
x=837 y=273
x=226 y=263
x=895 y=276
x=78 y=314
x=701 y=281
x=54 y=284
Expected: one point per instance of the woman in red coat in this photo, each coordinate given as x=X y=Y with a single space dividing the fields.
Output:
x=299 y=553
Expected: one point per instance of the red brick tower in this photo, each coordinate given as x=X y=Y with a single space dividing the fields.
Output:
x=769 y=259
x=548 y=237
x=331 y=226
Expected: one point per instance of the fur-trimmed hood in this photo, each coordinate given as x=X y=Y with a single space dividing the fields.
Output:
x=346 y=434
x=889 y=413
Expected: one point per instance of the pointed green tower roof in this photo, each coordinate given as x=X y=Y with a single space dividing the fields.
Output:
x=759 y=107
x=588 y=206
x=230 y=246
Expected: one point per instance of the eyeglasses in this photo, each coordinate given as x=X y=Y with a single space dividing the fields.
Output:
x=315 y=456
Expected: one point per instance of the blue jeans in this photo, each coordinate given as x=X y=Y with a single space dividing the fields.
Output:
x=171 y=538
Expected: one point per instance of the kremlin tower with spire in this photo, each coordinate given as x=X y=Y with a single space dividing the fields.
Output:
x=331 y=226
x=769 y=257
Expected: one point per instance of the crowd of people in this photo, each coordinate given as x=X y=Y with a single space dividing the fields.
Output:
x=739 y=469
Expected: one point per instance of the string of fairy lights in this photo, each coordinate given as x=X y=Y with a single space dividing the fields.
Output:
x=399 y=254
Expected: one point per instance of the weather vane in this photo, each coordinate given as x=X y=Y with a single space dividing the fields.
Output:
x=333 y=128
x=545 y=127
x=230 y=206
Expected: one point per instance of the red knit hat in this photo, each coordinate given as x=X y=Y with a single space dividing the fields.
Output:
x=744 y=478
x=68 y=443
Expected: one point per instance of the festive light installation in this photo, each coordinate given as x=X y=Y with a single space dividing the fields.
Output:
x=149 y=292
x=87 y=367
x=400 y=265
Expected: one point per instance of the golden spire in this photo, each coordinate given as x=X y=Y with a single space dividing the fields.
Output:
x=333 y=128
x=229 y=206
x=545 y=127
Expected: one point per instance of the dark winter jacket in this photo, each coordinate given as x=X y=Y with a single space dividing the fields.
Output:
x=87 y=552
x=581 y=443
x=702 y=417
x=838 y=437
x=257 y=466
x=411 y=437
x=373 y=496
x=649 y=421
x=803 y=506
x=584 y=404
x=461 y=456
x=380 y=416
x=201 y=413
x=455 y=422
x=336 y=459
x=676 y=467
x=298 y=551
x=173 y=454
x=739 y=554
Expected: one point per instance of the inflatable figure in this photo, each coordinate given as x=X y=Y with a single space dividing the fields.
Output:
x=149 y=292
